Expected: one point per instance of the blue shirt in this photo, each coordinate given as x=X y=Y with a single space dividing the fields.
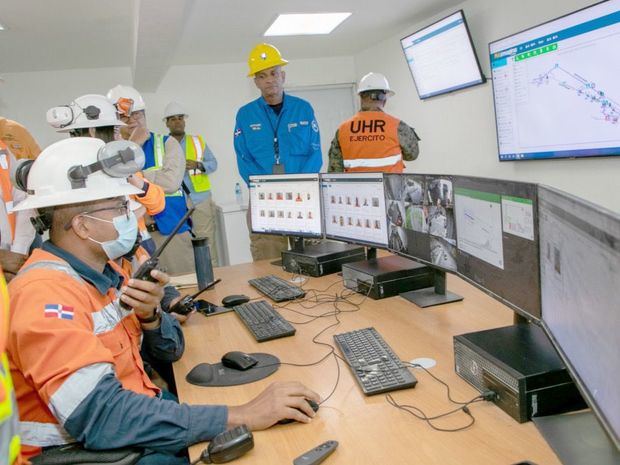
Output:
x=297 y=132
x=209 y=165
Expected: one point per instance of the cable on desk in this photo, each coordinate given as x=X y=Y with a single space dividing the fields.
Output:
x=463 y=406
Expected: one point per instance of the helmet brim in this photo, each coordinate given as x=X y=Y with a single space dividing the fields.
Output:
x=61 y=198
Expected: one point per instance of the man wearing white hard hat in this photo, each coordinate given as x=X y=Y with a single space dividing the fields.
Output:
x=199 y=164
x=165 y=166
x=74 y=351
x=94 y=115
x=373 y=140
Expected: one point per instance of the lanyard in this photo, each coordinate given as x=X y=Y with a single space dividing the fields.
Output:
x=276 y=144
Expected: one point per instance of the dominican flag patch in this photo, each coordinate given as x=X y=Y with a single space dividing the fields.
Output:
x=58 y=311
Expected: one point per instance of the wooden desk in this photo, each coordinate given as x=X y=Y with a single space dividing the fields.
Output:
x=369 y=430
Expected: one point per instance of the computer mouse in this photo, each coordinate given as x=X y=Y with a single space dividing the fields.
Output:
x=235 y=299
x=312 y=404
x=238 y=360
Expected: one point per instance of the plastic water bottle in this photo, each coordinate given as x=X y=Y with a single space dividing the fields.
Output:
x=238 y=194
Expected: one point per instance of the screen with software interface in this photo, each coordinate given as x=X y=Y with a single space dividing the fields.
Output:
x=354 y=208
x=556 y=87
x=580 y=277
x=441 y=57
x=286 y=204
x=497 y=237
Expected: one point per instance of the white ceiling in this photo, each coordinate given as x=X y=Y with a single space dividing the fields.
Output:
x=151 y=35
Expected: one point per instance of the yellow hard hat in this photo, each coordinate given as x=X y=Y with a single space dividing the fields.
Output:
x=264 y=56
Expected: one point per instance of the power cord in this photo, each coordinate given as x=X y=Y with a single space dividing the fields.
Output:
x=487 y=395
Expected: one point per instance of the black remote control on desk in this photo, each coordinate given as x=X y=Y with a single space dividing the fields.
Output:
x=316 y=455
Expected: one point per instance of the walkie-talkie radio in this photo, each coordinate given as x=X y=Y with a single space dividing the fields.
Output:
x=186 y=304
x=144 y=272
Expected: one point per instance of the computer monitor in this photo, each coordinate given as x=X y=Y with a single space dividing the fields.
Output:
x=556 y=88
x=497 y=240
x=421 y=226
x=287 y=204
x=354 y=208
x=580 y=278
x=441 y=57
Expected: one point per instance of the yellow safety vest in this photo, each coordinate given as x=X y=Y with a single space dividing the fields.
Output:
x=194 y=150
x=9 y=426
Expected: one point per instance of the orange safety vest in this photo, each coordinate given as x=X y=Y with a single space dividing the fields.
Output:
x=9 y=425
x=64 y=337
x=369 y=142
x=5 y=184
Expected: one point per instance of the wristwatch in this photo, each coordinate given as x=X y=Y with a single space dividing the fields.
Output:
x=156 y=316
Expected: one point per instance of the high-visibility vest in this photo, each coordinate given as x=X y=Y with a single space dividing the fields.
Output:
x=369 y=142
x=6 y=186
x=194 y=150
x=176 y=207
x=9 y=424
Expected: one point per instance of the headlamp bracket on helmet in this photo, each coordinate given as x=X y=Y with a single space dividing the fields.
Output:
x=117 y=159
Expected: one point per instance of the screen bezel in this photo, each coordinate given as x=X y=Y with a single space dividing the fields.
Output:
x=566 y=157
x=345 y=239
x=292 y=178
x=483 y=78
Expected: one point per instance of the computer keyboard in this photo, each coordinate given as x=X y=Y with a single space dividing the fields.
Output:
x=277 y=289
x=374 y=364
x=263 y=321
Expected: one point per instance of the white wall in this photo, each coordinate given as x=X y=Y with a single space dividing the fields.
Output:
x=458 y=130
x=212 y=95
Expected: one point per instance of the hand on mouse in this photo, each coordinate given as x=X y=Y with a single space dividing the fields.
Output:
x=278 y=401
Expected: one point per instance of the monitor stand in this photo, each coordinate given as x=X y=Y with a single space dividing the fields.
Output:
x=431 y=296
x=320 y=259
x=578 y=438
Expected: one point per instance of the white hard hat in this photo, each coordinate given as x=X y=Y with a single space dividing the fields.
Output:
x=374 y=81
x=49 y=183
x=127 y=92
x=87 y=111
x=173 y=109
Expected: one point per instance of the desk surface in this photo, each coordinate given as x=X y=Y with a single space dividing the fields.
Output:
x=369 y=430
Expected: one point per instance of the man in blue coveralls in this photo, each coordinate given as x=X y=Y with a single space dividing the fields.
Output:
x=274 y=134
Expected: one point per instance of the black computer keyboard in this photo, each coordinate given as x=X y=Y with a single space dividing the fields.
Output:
x=263 y=321
x=277 y=289
x=374 y=364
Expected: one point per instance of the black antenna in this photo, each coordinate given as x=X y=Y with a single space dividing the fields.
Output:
x=208 y=286
x=161 y=248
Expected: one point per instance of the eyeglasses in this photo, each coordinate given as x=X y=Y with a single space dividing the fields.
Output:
x=122 y=208
x=124 y=106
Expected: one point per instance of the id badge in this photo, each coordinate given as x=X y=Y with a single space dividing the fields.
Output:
x=277 y=168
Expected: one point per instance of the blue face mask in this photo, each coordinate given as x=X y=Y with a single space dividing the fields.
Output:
x=127 y=228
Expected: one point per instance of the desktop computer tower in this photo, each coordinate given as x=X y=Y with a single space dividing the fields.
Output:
x=321 y=259
x=386 y=276
x=521 y=366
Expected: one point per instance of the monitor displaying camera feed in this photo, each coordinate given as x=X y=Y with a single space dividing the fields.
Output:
x=441 y=57
x=288 y=204
x=354 y=208
x=497 y=224
x=420 y=214
x=556 y=88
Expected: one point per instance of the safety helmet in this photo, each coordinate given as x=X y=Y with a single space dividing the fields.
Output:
x=173 y=109
x=374 y=81
x=126 y=99
x=87 y=111
x=80 y=169
x=264 y=56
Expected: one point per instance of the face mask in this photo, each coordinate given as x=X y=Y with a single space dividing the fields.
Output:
x=127 y=228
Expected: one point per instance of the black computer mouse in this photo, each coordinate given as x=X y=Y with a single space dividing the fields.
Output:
x=312 y=404
x=235 y=299
x=238 y=360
